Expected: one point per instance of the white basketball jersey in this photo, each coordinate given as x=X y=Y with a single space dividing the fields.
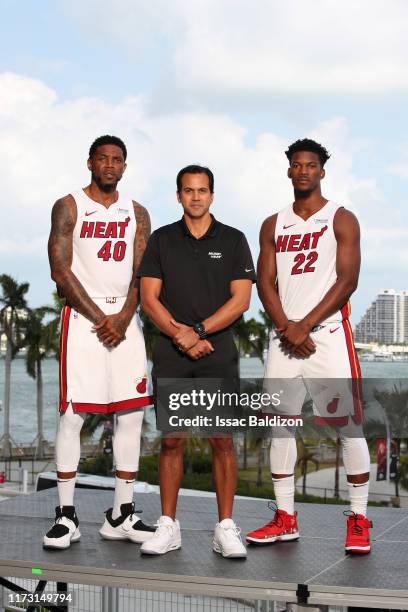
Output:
x=306 y=260
x=103 y=243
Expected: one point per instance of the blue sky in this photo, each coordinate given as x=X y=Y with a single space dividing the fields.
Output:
x=227 y=83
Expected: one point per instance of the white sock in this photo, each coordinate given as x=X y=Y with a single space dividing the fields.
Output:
x=66 y=487
x=123 y=494
x=358 y=497
x=285 y=493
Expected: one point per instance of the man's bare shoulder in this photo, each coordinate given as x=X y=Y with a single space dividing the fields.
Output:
x=344 y=219
x=65 y=204
x=64 y=211
x=142 y=221
x=269 y=224
x=140 y=210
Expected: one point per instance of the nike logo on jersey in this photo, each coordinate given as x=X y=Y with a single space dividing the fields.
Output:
x=248 y=269
x=89 y=213
x=291 y=225
x=334 y=330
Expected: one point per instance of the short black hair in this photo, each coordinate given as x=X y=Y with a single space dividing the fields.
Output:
x=308 y=145
x=108 y=140
x=195 y=169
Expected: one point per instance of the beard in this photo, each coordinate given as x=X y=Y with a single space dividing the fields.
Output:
x=105 y=187
x=301 y=194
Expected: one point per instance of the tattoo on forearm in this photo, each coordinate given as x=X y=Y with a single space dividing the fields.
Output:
x=63 y=220
x=142 y=233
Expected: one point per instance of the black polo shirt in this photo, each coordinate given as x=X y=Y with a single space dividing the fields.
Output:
x=196 y=273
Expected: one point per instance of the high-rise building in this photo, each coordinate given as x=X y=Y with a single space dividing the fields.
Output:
x=386 y=320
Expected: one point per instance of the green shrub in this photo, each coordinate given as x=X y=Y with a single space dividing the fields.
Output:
x=100 y=465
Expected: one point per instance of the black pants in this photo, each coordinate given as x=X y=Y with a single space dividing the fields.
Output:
x=222 y=366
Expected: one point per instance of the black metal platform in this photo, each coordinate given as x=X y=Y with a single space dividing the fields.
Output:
x=313 y=570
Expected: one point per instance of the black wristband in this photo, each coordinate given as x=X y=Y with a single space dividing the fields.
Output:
x=200 y=330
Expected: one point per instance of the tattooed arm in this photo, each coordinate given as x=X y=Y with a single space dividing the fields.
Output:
x=114 y=326
x=63 y=219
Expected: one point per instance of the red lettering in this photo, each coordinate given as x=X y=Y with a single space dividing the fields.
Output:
x=305 y=244
x=105 y=251
x=311 y=258
x=100 y=229
x=294 y=240
x=281 y=243
x=299 y=260
x=119 y=250
x=317 y=235
x=122 y=227
x=87 y=229
x=111 y=230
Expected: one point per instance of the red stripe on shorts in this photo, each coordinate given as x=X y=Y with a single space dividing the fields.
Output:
x=355 y=372
x=129 y=404
x=66 y=313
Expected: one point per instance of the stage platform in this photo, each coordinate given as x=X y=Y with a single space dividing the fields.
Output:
x=313 y=570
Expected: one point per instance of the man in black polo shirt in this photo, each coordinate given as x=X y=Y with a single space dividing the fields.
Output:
x=197 y=276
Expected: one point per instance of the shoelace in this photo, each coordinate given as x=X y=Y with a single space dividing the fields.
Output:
x=59 y=518
x=356 y=528
x=130 y=515
x=134 y=512
x=235 y=529
x=277 y=519
x=162 y=528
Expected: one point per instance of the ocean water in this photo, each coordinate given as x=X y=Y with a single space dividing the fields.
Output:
x=23 y=417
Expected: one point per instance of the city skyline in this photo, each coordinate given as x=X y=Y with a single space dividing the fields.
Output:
x=386 y=319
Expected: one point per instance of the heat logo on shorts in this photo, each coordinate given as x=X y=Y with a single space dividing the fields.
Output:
x=141 y=386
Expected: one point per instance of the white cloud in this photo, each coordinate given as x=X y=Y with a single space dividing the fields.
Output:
x=400 y=168
x=260 y=48
x=44 y=144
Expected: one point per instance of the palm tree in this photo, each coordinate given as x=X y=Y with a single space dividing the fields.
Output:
x=306 y=456
x=41 y=341
x=13 y=315
x=243 y=331
x=395 y=405
x=150 y=332
x=261 y=341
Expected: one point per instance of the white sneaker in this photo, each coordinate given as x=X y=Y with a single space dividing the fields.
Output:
x=127 y=526
x=64 y=530
x=166 y=537
x=227 y=540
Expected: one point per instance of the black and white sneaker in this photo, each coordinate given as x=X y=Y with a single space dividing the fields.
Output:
x=128 y=526
x=64 y=530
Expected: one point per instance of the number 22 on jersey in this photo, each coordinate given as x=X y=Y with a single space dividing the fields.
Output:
x=300 y=259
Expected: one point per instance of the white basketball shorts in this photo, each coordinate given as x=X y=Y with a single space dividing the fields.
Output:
x=99 y=379
x=331 y=376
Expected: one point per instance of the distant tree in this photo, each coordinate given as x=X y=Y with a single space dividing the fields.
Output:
x=243 y=330
x=13 y=321
x=305 y=456
x=395 y=406
x=41 y=341
x=150 y=332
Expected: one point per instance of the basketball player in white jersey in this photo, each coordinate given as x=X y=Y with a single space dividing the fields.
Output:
x=95 y=247
x=307 y=269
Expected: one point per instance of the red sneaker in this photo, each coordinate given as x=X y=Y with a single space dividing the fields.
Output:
x=358 y=537
x=282 y=527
